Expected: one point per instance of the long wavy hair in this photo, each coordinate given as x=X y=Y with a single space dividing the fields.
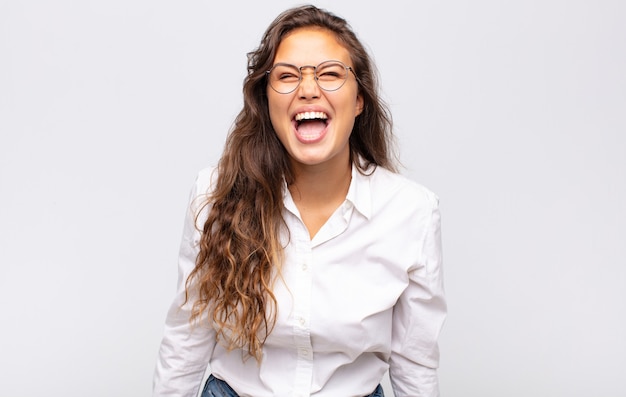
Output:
x=240 y=252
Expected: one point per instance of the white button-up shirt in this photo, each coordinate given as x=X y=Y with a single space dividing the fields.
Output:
x=364 y=295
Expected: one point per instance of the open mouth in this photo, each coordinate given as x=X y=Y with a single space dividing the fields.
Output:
x=310 y=126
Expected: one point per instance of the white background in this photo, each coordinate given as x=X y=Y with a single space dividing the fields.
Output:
x=513 y=112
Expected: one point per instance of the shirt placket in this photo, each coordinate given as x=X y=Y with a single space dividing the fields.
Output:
x=302 y=317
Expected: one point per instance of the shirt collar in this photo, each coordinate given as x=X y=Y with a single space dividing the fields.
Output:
x=359 y=193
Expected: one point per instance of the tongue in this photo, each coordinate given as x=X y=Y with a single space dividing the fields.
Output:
x=311 y=129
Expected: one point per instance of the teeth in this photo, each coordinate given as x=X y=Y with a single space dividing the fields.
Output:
x=311 y=116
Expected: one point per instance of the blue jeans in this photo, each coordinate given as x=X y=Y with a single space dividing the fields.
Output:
x=218 y=388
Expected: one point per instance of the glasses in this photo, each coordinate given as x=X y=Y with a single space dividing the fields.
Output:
x=329 y=75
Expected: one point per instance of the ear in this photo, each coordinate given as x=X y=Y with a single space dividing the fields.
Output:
x=359 y=104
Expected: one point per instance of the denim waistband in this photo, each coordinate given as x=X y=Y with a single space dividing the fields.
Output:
x=218 y=388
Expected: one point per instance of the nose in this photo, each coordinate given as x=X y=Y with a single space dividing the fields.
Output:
x=308 y=87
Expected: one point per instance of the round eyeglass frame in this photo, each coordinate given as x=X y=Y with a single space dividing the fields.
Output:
x=315 y=77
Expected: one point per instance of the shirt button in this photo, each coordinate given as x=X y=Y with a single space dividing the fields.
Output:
x=304 y=267
x=302 y=321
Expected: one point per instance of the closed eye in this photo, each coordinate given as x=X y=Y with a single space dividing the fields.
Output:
x=288 y=77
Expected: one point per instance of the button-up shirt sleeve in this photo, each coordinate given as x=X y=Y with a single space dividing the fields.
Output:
x=186 y=348
x=418 y=318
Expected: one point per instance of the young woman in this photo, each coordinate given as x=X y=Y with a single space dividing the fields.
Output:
x=307 y=265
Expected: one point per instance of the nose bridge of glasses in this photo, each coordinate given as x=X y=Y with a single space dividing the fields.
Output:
x=305 y=83
x=313 y=72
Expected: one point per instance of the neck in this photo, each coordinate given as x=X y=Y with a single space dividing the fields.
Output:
x=318 y=190
x=320 y=184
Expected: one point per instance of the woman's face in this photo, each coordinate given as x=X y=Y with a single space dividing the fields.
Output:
x=322 y=137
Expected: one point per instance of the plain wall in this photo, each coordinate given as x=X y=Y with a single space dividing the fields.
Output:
x=513 y=112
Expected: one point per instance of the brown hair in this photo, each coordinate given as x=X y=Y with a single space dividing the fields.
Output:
x=240 y=247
